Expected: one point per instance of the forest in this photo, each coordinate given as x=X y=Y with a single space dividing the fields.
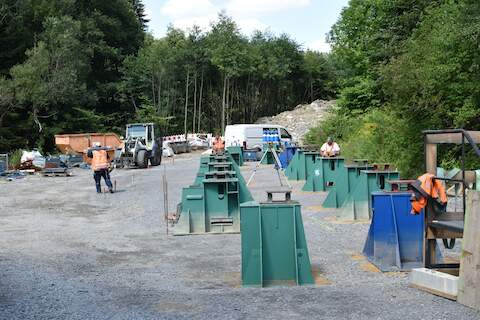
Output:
x=404 y=66
x=80 y=66
x=396 y=67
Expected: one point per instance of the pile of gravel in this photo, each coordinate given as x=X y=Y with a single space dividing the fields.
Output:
x=299 y=120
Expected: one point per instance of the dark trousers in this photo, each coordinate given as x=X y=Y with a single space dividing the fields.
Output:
x=97 y=175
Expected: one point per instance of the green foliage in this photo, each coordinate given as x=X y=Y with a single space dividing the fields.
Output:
x=72 y=66
x=149 y=114
x=404 y=66
x=380 y=135
x=60 y=57
x=263 y=75
x=14 y=158
x=360 y=96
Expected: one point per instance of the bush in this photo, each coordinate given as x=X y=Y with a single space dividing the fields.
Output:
x=14 y=158
x=379 y=135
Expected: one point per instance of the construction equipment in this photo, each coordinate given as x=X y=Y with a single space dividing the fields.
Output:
x=143 y=144
x=212 y=204
x=274 y=248
x=270 y=152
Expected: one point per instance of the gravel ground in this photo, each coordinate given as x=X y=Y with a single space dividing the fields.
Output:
x=69 y=253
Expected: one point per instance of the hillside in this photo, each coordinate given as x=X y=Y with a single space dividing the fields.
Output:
x=299 y=120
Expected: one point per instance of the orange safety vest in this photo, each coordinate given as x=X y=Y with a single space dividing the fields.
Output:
x=427 y=187
x=218 y=144
x=99 y=160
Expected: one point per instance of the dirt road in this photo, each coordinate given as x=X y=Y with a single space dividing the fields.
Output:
x=69 y=253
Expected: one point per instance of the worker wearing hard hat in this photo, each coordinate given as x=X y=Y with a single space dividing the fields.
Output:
x=330 y=148
x=100 y=164
x=218 y=144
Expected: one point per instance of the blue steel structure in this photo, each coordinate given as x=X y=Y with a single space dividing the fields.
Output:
x=395 y=237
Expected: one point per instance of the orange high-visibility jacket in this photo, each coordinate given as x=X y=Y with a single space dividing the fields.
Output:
x=99 y=160
x=218 y=145
x=428 y=187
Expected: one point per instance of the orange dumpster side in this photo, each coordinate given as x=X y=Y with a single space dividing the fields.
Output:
x=79 y=143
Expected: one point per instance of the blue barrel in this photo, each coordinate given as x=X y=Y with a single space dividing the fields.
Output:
x=395 y=237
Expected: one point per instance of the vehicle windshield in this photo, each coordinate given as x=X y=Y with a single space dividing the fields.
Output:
x=136 y=131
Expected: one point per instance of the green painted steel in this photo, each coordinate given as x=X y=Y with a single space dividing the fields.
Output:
x=477 y=184
x=268 y=158
x=324 y=172
x=357 y=205
x=296 y=168
x=274 y=249
x=236 y=152
x=291 y=168
x=212 y=204
x=302 y=165
x=204 y=160
x=343 y=185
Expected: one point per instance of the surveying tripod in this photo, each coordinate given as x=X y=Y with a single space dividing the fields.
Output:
x=277 y=166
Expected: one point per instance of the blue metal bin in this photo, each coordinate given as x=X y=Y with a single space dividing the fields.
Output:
x=395 y=237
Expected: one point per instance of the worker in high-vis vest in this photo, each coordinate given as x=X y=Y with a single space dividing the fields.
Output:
x=218 y=144
x=100 y=165
x=330 y=148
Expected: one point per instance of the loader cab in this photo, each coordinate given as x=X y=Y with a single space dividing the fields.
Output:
x=143 y=143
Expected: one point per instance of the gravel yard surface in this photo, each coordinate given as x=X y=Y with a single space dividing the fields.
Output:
x=68 y=253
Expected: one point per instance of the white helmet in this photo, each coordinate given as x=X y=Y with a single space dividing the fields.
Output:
x=97 y=144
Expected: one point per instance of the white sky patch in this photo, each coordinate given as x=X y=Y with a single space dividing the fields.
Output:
x=246 y=13
x=183 y=9
x=318 y=45
x=250 y=7
x=202 y=21
x=247 y=26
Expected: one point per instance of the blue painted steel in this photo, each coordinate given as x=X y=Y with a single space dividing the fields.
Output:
x=250 y=155
x=395 y=237
x=286 y=156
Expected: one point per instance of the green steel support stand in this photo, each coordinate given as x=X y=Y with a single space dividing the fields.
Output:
x=274 y=248
x=324 y=173
x=344 y=185
x=236 y=153
x=212 y=205
x=357 y=205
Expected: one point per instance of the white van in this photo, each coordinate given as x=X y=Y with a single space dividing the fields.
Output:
x=251 y=136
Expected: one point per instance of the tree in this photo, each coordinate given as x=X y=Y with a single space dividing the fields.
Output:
x=227 y=51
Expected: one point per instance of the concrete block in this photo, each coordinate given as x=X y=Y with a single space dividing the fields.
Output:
x=435 y=282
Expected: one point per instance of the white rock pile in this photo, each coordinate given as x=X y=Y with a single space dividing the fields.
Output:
x=299 y=120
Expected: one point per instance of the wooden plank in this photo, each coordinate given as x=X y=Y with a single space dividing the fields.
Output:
x=455 y=138
x=431 y=158
x=469 y=284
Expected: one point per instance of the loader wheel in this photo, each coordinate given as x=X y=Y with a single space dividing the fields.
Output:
x=142 y=160
x=156 y=160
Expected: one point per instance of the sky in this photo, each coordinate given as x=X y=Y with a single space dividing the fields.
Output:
x=306 y=21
